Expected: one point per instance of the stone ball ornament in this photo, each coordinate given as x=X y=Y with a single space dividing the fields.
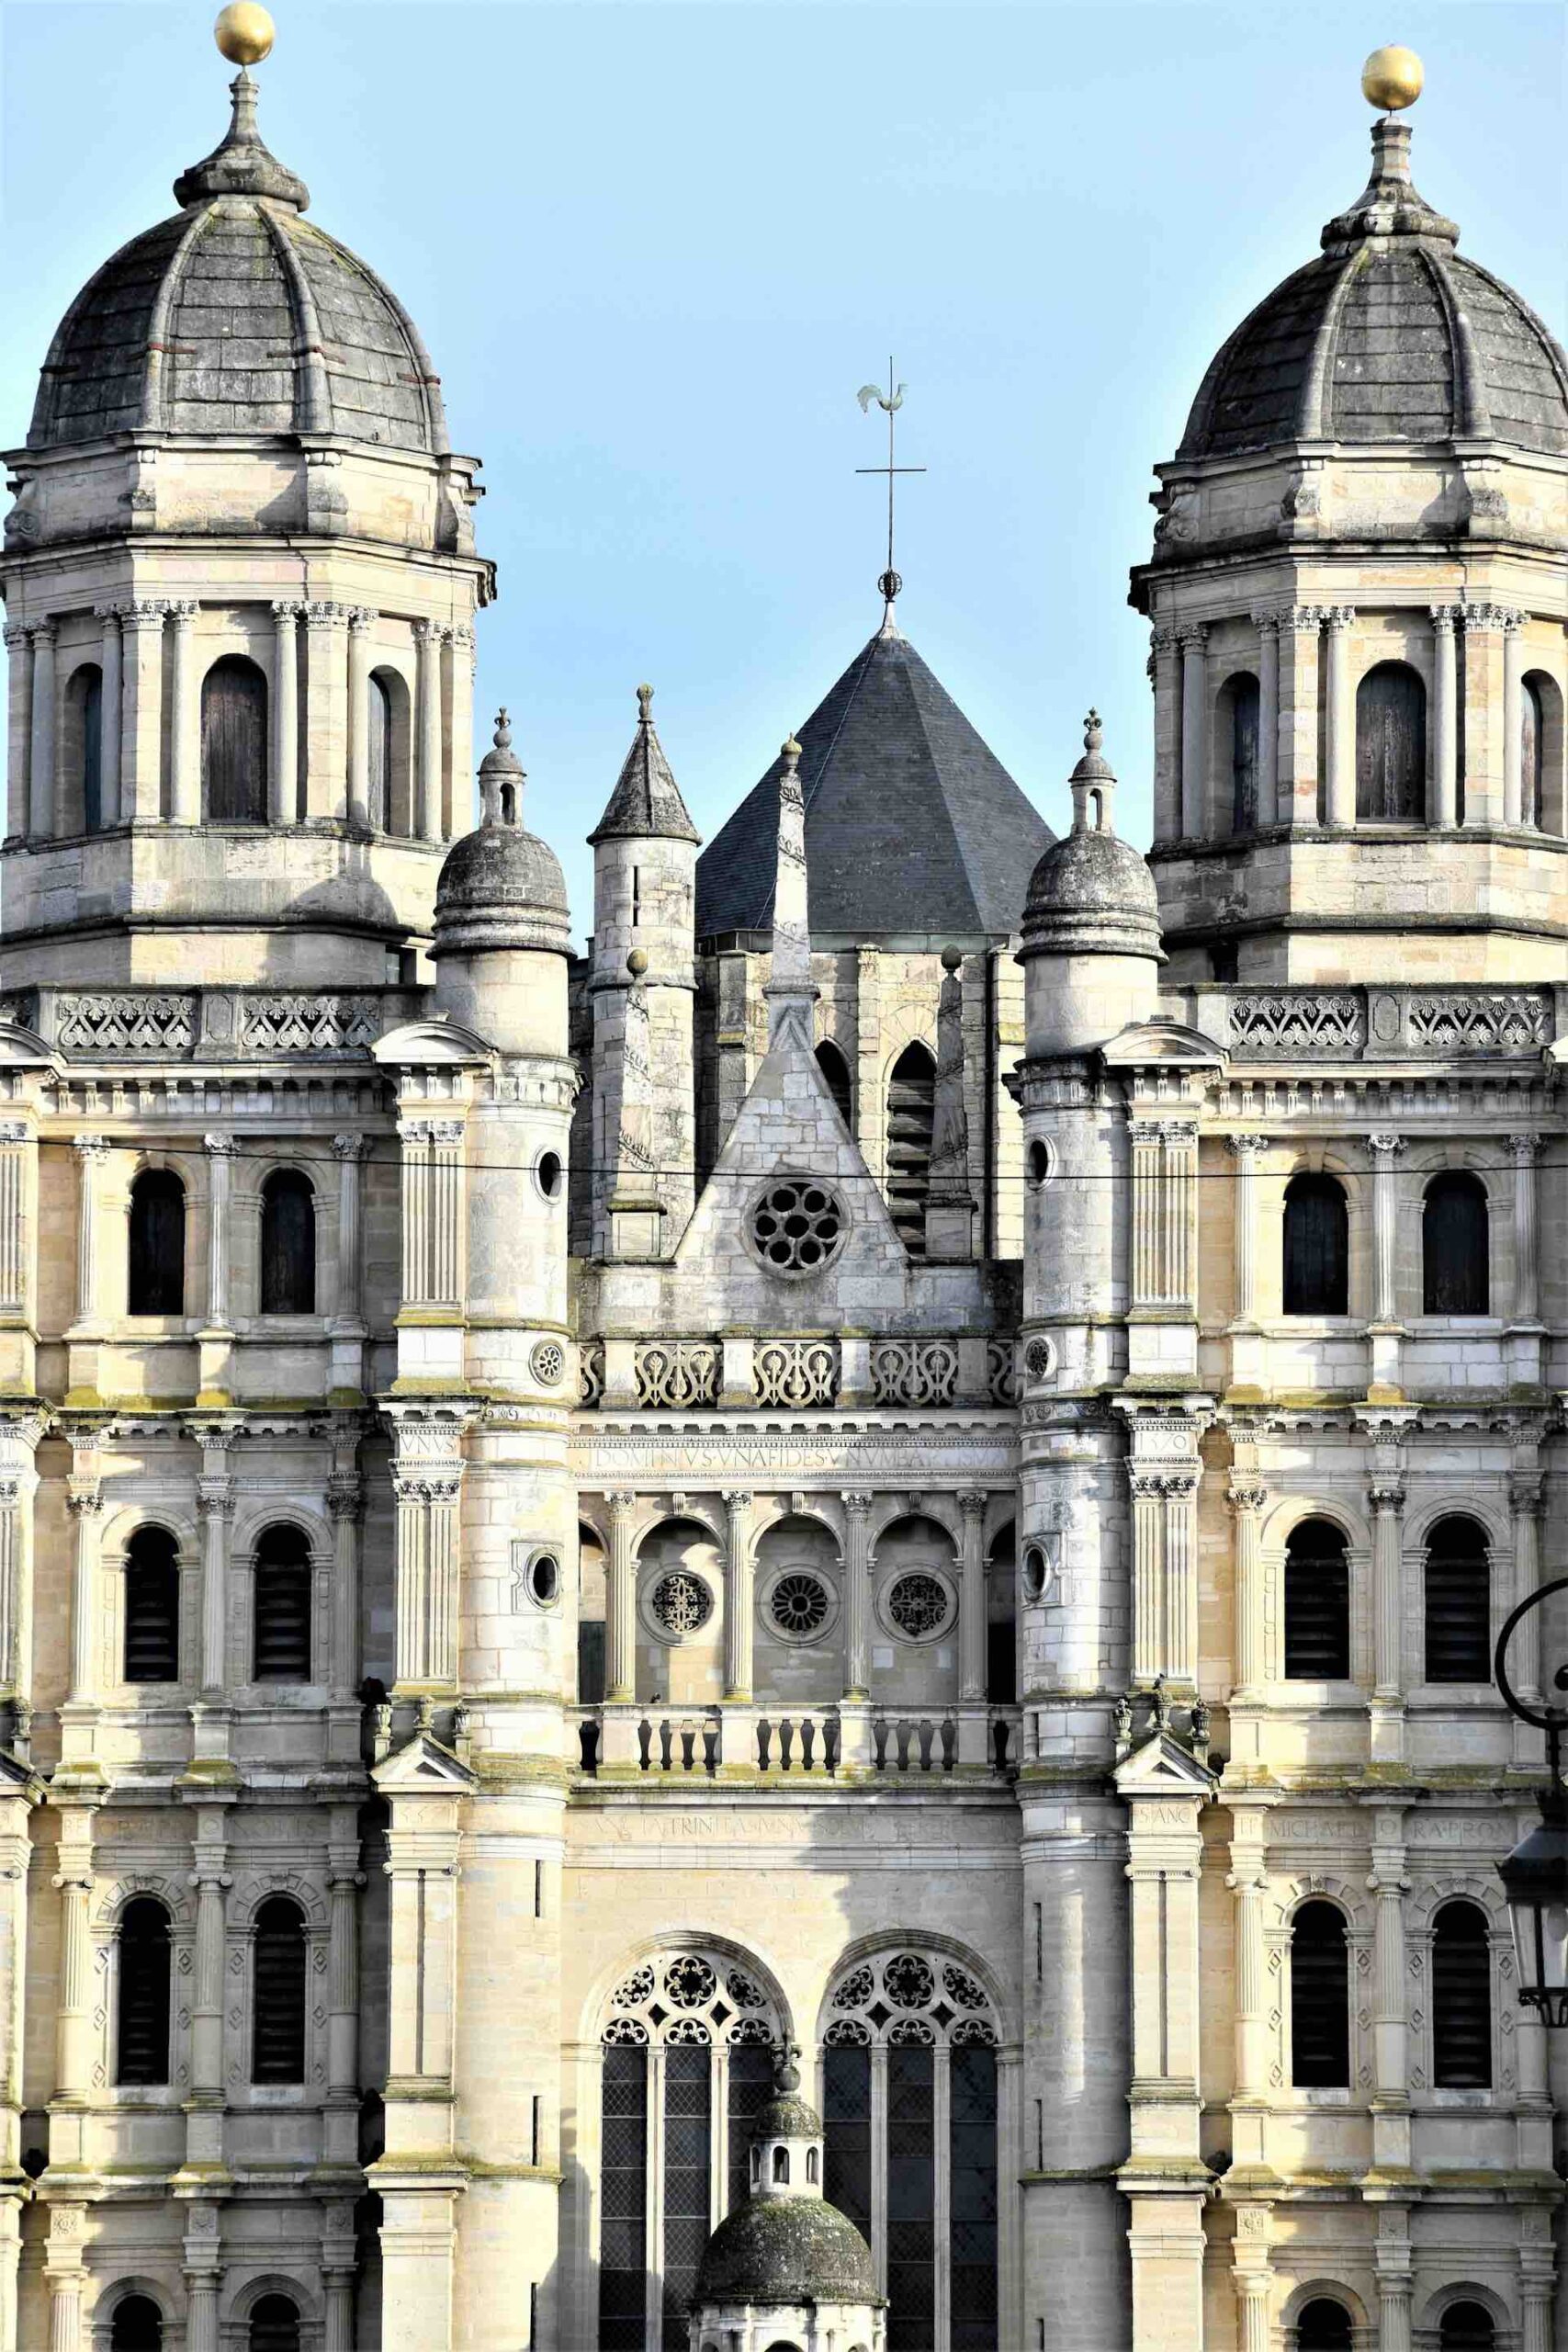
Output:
x=244 y=32
x=1393 y=78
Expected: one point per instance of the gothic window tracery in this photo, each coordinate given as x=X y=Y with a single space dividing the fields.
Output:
x=688 y=2061
x=933 y=2020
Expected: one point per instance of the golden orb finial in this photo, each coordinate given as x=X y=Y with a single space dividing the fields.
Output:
x=1392 y=78
x=244 y=32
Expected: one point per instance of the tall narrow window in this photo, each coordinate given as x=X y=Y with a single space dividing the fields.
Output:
x=152 y=1607
x=1467 y=2327
x=1391 y=745
x=751 y=2088
x=281 y=1608
x=234 y=741
x=1461 y=1999
x=275 y=2325
x=1316 y=1246
x=912 y=1111
x=1532 y=754
x=1320 y=2000
x=277 y=2037
x=157 y=1244
x=623 y=2199
x=1454 y=1246
x=137 y=2325
x=1324 y=2326
x=141 y=2019
x=288 y=1244
x=688 y=2137
x=378 y=784
x=836 y=1070
x=1242 y=694
x=82 y=750
x=1318 y=1604
x=910 y=2004
x=1458 y=1603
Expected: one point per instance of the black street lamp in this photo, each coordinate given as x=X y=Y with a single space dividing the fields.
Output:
x=1535 y=1876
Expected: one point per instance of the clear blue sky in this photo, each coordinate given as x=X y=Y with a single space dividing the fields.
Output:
x=654 y=249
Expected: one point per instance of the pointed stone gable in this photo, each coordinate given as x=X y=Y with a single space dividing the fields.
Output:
x=913 y=826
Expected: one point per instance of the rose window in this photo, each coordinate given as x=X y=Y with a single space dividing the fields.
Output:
x=798 y=1603
x=797 y=1226
x=909 y=1999
x=918 y=1605
x=681 y=1603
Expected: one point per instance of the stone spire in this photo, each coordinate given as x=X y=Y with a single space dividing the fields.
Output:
x=646 y=803
x=790 y=992
x=242 y=165
x=1390 y=205
x=950 y=1204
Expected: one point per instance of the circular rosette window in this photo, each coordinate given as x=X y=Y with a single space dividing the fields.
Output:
x=799 y=1605
x=796 y=1226
x=919 y=1606
x=678 y=1605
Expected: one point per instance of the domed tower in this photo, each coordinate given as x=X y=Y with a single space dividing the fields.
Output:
x=240 y=581
x=1357 y=586
x=786 y=2267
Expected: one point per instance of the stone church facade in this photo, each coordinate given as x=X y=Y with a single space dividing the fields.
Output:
x=918 y=1456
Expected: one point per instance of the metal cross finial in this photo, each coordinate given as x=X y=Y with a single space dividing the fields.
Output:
x=890 y=402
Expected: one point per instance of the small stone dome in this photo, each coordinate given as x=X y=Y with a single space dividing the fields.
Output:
x=786 y=2250
x=785 y=2117
x=1091 y=893
x=501 y=886
x=1389 y=335
x=239 y=316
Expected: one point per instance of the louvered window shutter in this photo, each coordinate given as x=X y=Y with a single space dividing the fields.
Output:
x=288 y=1244
x=1318 y=1604
x=1458 y=1603
x=275 y=2325
x=278 y=2038
x=1461 y=1999
x=911 y=1115
x=152 y=1608
x=1316 y=1274
x=1454 y=1247
x=281 y=1613
x=157 y=1244
x=142 y=2019
x=1320 y=2000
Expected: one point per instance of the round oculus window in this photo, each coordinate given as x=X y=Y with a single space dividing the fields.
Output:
x=798 y=1604
x=797 y=1227
x=679 y=1605
x=918 y=1605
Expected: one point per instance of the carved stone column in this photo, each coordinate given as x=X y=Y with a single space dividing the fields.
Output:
x=66 y=2276
x=84 y=1500
x=1386 y=1496
x=19 y=727
x=347 y=1327
x=427 y=1484
x=20 y=1430
x=345 y=1508
x=857 y=1595
x=339 y=2269
x=620 y=1604
x=1180 y=1508
x=1525 y=1150
x=1194 y=732
x=210 y=1880
x=220 y=1151
x=283 y=801
x=1386 y=1328
x=215 y=1502
x=326 y=711
x=740 y=1597
x=142 y=710
x=1300 y=628
x=17 y=1154
x=204 y=2278
x=1245 y=1149
x=42 y=760
x=184 y=723
x=1396 y=2279
x=1247 y=1502
x=1445 y=716
x=1247 y=1880
x=1391 y=2098
x=1513 y=718
x=460 y=815
x=1148 y=1575
x=91 y=1151
x=1268 y=626
x=107 y=617
x=428 y=764
x=432 y=1211
x=1339 y=702
x=1254 y=2286
x=73 y=2023
x=972 y=1605
x=344 y=1880
x=361 y=621
x=1164 y=669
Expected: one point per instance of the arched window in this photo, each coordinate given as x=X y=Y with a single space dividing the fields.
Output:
x=280 y=1648
x=288 y=1244
x=142 y=2037
x=1532 y=754
x=1317 y=1247
x=152 y=1607
x=1391 y=745
x=278 y=2036
x=687 y=2003
x=1324 y=2325
x=836 y=1070
x=1467 y=2327
x=1458 y=1603
x=379 y=713
x=82 y=750
x=1462 y=1998
x=911 y=1113
x=781 y=2167
x=234 y=741
x=137 y=2325
x=1454 y=1246
x=275 y=2325
x=906 y=2004
x=1318 y=1604
x=1320 y=2000
x=157 y=1244
x=813 y=2168
x=1239 y=707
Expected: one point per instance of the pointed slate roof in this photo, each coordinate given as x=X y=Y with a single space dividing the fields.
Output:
x=913 y=826
x=646 y=803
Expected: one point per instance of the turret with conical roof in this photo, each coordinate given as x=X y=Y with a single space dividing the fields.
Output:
x=645 y=849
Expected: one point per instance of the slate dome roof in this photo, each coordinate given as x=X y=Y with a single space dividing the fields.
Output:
x=238 y=315
x=786 y=2250
x=1389 y=335
x=913 y=826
